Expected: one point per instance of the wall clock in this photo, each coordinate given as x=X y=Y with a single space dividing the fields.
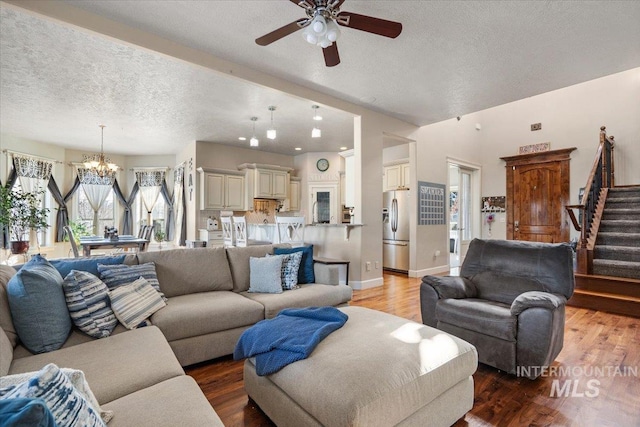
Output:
x=322 y=165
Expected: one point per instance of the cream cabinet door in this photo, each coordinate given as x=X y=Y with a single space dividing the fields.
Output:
x=263 y=183
x=294 y=196
x=392 y=177
x=213 y=191
x=234 y=189
x=406 y=176
x=280 y=181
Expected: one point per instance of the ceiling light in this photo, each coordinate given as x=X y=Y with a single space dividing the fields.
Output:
x=298 y=149
x=271 y=132
x=242 y=138
x=316 y=117
x=254 y=142
x=316 y=132
x=99 y=164
x=343 y=148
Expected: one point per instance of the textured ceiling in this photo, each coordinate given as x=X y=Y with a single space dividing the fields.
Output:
x=452 y=58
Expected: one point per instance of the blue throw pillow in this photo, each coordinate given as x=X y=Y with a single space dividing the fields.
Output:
x=90 y=265
x=305 y=273
x=38 y=307
x=24 y=411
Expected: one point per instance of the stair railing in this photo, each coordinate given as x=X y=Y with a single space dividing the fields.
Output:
x=601 y=176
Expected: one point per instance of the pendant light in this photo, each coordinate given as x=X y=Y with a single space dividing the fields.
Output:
x=254 y=142
x=98 y=163
x=271 y=132
x=316 y=132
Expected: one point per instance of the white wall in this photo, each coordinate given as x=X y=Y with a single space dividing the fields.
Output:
x=570 y=117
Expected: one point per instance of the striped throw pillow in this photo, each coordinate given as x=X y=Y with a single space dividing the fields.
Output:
x=66 y=404
x=122 y=274
x=135 y=303
x=88 y=303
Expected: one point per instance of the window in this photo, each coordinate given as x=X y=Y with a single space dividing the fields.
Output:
x=158 y=214
x=45 y=237
x=84 y=211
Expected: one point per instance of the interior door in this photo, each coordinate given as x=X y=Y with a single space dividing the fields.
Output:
x=324 y=204
x=537 y=192
x=465 y=212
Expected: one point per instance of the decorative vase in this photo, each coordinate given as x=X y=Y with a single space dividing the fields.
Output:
x=20 y=247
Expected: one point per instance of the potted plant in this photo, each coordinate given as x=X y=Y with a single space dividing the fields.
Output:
x=21 y=213
x=159 y=236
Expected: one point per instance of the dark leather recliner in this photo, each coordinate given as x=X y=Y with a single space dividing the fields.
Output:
x=508 y=302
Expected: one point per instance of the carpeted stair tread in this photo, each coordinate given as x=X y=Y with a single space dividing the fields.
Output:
x=620 y=253
x=618 y=239
x=607 y=267
x=615 y=213
x=620 y=225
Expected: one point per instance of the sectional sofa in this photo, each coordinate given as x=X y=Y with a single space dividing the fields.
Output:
x=138 y=373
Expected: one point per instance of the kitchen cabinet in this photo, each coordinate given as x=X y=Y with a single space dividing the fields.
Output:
x=271 y=184
x=222 y=189
x=266 y=181
x=396 y=176
x=214 y=238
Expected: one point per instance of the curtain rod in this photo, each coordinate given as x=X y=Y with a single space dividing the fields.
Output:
x=32 y=156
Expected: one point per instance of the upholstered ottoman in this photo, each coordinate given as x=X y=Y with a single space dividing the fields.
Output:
x=377 y=370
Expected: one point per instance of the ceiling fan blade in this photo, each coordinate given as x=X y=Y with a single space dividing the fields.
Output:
x=331 y=57
x=282 y=32
x=370 y=24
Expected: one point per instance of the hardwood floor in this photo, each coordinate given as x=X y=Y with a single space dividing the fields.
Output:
x=599 y=347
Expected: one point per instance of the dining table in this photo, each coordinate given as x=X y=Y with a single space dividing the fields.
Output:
x=124 y=241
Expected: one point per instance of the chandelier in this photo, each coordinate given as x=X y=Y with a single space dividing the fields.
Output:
x=98 y=163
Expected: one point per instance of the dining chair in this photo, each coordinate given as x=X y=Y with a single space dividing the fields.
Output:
x=146 y=231
x=227 y=231
x=72 y=240
x=290 y=229
x=241 y=234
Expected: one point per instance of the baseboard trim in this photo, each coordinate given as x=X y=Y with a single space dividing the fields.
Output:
x=366 y=284
x=434 y=270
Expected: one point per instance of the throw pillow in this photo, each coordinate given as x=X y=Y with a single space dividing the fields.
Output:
x=118 y=275
x=68 y=407
x=38 y=307
x=305 y=274
x=21 y=412
x=88 y=302
x=76 y=377
x=265 y=275
x=290 y=267
x=90 y=265
x=135 y=303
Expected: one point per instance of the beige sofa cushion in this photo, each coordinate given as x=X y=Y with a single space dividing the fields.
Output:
x=6 y=353
x=174 y=402
x=305 y=296
x=114 y=366
x=6 y=323
x=186 y=271
x=204 y=313
x=239 y=263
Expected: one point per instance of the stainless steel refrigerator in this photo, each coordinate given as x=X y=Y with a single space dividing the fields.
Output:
x=395 y=230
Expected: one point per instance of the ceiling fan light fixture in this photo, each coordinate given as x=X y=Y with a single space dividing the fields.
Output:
x=319 y=25
x=333 y=32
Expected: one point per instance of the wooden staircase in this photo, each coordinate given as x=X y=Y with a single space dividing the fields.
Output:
x=608 y=254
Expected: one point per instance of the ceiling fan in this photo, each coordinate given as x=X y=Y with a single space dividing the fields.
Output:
x=320 y=26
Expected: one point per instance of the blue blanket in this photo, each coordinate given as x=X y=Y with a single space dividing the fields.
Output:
x=290 y=336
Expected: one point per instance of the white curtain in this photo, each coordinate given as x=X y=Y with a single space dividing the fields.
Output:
x=33 y=173
x=150 y=182
x=178 y=210
x=96 y=189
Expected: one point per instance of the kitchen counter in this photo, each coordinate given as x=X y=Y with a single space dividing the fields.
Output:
x=347 y=227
